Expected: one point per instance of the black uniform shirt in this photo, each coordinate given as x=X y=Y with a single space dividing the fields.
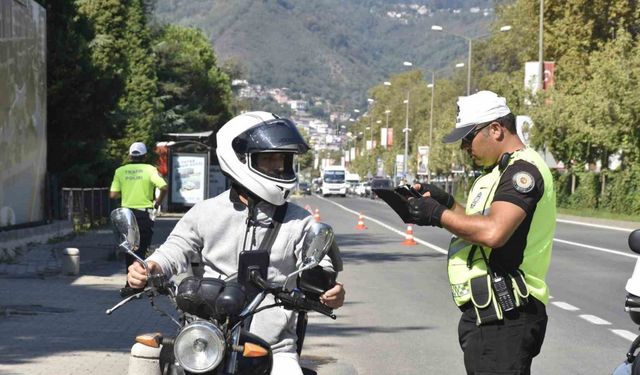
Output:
x=521 y=184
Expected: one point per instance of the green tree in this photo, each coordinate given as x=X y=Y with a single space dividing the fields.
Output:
x=81 y=94
x=195 y=92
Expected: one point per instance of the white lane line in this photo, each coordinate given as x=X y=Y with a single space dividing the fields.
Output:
x=625 y=334
x=595 y=320
x=594 y=225
x=565 y=306
x=595 y=248
x=422 y=242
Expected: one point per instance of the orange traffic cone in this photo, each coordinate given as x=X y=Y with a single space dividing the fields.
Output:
x=316 y=216
x=409 y=241
x=360 y=225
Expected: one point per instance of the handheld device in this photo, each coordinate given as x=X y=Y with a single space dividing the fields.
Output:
x=502 y=293
x=408 y=191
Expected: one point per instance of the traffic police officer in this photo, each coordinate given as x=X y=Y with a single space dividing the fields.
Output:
x=135 y=183
x=501 y=245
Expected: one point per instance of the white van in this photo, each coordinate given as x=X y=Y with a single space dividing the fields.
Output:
x=352 y=180
x=333 y=181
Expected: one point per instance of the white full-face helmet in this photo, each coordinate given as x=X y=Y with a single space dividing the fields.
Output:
x=252 y=133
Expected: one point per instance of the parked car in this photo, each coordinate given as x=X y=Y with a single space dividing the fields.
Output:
x=363 y=189
x=304 y=188
x=380 y=183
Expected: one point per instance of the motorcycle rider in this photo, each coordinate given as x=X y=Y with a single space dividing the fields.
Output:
x=255 y=151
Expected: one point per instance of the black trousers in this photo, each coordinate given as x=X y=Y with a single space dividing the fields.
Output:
x=504 y=347
x=145 y=226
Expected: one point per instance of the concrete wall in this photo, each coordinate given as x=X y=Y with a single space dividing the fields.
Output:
x=23 y=103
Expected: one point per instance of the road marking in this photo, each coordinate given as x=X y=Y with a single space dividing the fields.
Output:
x=594 y=225
x=595 y=320
x=565 y=306
x=422 y=242
x=595 y=248
x=625 y=334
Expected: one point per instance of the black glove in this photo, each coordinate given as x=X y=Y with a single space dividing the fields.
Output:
x=426 y=211
x=438 y=194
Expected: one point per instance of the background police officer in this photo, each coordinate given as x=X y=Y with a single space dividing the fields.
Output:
x=135 y=183
x=501 y=245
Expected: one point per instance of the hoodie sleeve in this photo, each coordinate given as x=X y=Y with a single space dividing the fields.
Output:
x=182 y=245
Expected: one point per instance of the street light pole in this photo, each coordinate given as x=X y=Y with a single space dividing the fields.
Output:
x=469 y=69
x=541 y=48
x=406 y=140
x=470 y=41
x=433 y=85
x=365 y=134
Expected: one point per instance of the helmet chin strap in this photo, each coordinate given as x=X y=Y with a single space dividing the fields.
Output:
x=252 y=199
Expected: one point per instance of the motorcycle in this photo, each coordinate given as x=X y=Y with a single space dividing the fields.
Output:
x=631 y=366
x=213 y=315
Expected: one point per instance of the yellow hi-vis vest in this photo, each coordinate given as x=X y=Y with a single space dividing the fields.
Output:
x=537 y=253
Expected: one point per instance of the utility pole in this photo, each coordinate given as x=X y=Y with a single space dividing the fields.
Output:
x=541 y=48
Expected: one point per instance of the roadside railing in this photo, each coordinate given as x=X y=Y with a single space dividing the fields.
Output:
x=85 y=207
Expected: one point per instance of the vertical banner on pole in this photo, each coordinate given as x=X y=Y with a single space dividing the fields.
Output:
x=423 y=160
x=383 y=137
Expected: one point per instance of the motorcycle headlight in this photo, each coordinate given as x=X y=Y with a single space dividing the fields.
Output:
x=199 y=347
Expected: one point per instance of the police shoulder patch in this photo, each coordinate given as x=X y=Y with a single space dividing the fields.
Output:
x=523 y=182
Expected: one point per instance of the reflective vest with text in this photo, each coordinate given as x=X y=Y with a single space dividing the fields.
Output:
x=537 y=253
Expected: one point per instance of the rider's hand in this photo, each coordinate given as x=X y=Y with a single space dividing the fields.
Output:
x=137 y=276
x=430 y=190
x=333 y=297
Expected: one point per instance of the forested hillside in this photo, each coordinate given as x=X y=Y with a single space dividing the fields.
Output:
x=332 y=48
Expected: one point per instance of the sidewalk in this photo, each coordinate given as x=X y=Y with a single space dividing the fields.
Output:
x=56 y=324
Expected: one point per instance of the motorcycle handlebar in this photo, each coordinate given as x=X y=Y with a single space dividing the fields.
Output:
x=296 y=300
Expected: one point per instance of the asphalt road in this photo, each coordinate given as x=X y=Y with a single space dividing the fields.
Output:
x=400 y=318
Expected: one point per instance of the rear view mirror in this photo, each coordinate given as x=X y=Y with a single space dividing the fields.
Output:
x=125 y=227
x=316 y=244
x=634 y=241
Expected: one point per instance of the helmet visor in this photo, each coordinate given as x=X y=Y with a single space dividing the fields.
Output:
x=274 y=135
x=277 y=166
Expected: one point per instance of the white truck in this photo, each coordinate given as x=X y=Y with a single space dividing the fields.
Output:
x=352 y=180
x=333 y=181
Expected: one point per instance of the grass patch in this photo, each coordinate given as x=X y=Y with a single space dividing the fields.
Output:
x=599 y=214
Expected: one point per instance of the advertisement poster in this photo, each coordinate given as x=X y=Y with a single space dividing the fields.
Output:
x=423 y=160
x=217 y=181
x=399 y=165
x=189 y=178
x=379 y=167
x=383 y=137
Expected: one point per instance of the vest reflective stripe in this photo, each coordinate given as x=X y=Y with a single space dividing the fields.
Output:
x=537 y=253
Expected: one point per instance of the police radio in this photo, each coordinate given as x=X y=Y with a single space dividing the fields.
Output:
x=502 y=292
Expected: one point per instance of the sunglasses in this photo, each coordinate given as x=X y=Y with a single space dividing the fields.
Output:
x=467 y=139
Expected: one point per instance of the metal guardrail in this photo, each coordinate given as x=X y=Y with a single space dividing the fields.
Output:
x=85 y=207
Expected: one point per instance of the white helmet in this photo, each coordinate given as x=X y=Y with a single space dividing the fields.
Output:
x=251 y=133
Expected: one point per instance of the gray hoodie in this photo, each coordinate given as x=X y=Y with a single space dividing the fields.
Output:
x=216 y=228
